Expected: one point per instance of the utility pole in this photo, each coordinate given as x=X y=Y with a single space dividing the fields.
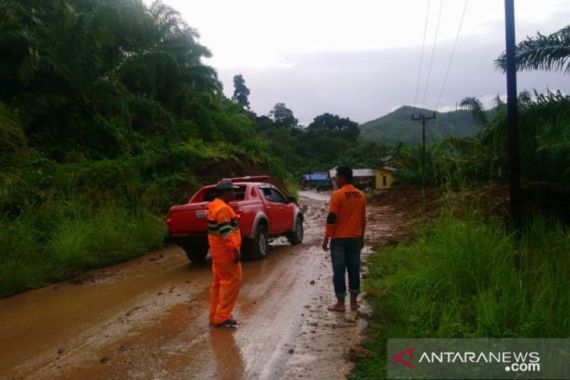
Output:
x=512 y=116
x=423 y=119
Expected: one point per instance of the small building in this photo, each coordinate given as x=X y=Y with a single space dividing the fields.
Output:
x=384 y=177
x=372 y=179
x=364 y=179
x=319 y=180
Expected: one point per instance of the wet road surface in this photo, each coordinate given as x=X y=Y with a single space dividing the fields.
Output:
x=147 y=319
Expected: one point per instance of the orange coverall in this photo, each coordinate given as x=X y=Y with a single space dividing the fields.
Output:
x=224 y=237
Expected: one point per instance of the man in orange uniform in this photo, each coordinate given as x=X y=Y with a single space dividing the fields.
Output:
x=345 y=226
x=224 y=238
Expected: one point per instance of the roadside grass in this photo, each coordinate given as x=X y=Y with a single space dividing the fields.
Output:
x=34 y=253
x=468 y=278
x=60 y=219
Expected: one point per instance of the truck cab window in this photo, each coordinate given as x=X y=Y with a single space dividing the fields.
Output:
x=268 y=194
x=278 y=197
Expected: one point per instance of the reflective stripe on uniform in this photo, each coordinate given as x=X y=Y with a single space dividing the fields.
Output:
x=222 y=229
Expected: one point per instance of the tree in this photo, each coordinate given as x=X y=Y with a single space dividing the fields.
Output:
x=542 y=52
x=476 y=108
x=96 y=78
x=343 y=127
x=283 y=116
x=241 y=92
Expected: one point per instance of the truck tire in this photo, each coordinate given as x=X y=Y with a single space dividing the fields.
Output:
x=256 y=248
x=196 y=250
x=296 y=237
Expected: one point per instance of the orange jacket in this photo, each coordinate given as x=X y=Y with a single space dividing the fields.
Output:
x=347 y=213
x=224 y=235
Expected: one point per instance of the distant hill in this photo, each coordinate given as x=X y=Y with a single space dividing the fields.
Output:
x=398 y=126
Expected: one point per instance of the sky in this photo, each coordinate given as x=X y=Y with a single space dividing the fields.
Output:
x=361 y=59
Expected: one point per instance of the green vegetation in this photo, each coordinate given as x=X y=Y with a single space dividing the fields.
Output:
x=398 y=127
x=463 y=147
x=544 y=130
x=542 y=52
x=468 y=278
x=35 y=251
x=544 y=146
x=59 y=219
x=241 y=92
x=107 y=117
x=328 y=141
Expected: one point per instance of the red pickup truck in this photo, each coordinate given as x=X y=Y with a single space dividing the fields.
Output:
x=263 y=212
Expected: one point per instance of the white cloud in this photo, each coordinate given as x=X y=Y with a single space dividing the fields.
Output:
x=258 y=33
x=360 y=59
x=366 y=85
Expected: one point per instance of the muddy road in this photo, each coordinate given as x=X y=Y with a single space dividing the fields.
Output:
x=147 y=319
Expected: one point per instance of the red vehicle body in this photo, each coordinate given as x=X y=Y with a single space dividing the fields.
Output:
x=263 y=210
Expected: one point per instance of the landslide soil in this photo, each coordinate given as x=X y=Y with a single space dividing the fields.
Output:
x=147 y=318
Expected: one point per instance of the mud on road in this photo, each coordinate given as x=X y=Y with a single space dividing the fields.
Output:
x=147 y=319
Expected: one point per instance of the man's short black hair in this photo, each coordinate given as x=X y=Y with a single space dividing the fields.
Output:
x=344 y=172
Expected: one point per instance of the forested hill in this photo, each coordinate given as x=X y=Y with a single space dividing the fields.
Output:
x=398 y=126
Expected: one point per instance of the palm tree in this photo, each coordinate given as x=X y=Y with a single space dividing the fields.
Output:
x=476 y=107
x=542 y=52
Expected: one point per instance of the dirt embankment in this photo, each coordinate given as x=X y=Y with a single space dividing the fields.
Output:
x=415 y=207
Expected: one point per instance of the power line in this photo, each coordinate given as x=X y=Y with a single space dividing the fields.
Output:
x=422 y=55
x=432 y=53
x=452 y=55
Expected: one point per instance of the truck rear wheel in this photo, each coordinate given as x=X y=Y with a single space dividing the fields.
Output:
x=256 y=248
x=196 y=250
x=296 y=237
